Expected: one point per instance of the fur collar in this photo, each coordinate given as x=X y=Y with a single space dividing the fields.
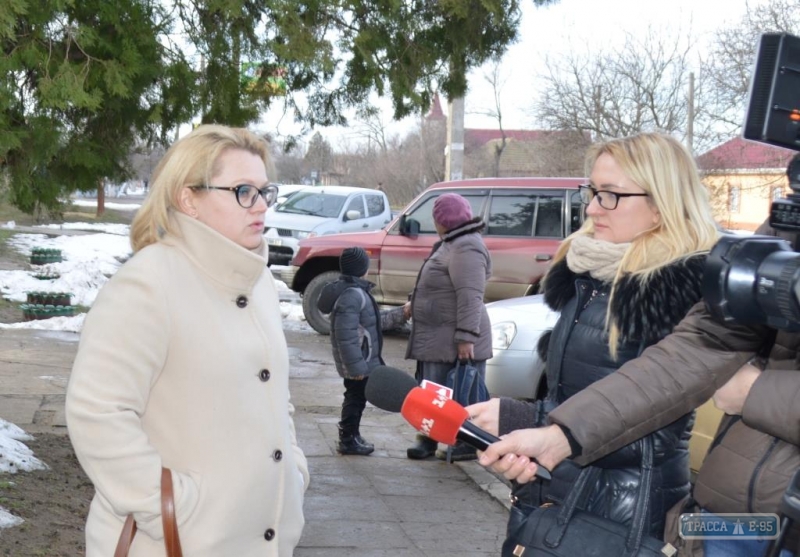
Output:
x=646 y=311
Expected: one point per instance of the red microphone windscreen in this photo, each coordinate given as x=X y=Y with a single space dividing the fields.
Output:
x=438 y=418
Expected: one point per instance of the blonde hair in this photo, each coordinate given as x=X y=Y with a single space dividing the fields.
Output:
x=665 y=170
x=190 y=161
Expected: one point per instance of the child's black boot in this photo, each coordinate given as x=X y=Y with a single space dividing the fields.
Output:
x=354 y=444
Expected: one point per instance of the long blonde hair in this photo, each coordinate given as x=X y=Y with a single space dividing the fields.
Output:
x=192 y=160
x=665 y=170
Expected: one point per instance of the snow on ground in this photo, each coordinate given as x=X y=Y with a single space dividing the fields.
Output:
x=118 y=229
x=15 y=456
x=88 y=261
x=107 y=204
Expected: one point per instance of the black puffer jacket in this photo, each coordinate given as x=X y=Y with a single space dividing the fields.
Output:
x=578 y=355
x=357 y=325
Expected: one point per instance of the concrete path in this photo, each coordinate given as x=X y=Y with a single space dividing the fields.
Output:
x=377 y=506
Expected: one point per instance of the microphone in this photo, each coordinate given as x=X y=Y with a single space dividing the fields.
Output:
x=388 y=387
x=442 y=419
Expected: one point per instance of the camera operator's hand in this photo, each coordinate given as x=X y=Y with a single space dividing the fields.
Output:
x=731 y=396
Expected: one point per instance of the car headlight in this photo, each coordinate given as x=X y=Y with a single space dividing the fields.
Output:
x=503 y=335
x=301 y=235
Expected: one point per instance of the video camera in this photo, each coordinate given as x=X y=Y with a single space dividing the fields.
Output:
x=756 y=280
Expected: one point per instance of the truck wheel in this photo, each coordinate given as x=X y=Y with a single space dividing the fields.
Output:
x=319 y=321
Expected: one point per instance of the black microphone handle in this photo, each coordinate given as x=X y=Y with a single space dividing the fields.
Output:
x=474 y=436
x=480 y=439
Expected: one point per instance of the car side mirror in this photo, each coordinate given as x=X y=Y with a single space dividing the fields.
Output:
x=352 y=215
x=409 y=227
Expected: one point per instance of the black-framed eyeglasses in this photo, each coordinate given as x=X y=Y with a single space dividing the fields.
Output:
x=247 y=195
x=608 y=200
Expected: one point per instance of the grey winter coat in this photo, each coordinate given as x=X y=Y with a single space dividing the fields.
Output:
x=447 y=304
x=357 y=325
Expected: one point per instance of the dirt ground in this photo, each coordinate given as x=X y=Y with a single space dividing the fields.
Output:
x=54 y=503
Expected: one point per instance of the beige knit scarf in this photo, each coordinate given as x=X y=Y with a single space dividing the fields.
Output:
x=599 y=258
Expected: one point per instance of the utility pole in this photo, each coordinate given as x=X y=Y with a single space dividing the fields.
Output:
x=454 y=151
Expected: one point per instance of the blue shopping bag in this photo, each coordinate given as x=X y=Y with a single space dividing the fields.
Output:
x=468 y=385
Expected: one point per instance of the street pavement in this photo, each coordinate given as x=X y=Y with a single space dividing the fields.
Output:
x=376 y=506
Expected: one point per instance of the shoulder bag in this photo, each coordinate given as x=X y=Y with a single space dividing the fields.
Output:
x=565 y=531
x=171 y=538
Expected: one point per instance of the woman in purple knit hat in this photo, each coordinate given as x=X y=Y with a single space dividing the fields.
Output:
x=450 y=322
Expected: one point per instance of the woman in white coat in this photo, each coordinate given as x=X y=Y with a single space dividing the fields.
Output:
x=183 y=364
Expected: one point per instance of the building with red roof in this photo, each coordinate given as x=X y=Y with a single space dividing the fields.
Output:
x=525 y=153
x=743 y=178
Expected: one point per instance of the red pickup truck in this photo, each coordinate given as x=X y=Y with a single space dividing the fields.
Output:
x=526 y=219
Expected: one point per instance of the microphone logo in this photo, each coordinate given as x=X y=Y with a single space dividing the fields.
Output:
x=434 y=415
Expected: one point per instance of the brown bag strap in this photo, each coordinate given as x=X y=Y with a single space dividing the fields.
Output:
x=126 y=537
x=171 y=539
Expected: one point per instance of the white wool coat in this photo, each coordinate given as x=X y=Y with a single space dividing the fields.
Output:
x=183 y=363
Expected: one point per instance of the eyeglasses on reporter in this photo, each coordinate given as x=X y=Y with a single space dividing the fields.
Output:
x=246 y=195
x=608 y=200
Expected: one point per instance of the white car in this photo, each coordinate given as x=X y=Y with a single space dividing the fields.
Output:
x=285 y=190
x=515 y=370
x=321 y=210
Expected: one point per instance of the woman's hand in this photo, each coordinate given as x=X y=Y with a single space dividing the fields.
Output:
x=407 y=310
x=486 y=415
x=511 y=456
x=466 y=351
x=731 y=396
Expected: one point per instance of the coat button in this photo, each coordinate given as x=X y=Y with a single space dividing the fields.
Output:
x=264 y=375
x=241 y=301
x=277 y=456
x=269 y=534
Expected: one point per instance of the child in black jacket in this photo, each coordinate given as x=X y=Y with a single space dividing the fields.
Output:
x=356 y=340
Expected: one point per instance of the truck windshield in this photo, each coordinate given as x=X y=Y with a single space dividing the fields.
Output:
x=313 y=203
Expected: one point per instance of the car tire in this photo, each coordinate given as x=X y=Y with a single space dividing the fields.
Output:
x=319 y=321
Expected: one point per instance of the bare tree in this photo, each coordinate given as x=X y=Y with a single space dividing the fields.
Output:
x=638 y=86
x=729 y=65
x=370 y=128
x=403 y=169
x=288 y=162
x=496 y=80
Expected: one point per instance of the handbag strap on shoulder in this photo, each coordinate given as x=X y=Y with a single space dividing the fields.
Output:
x=642 y=507
x=580 y=491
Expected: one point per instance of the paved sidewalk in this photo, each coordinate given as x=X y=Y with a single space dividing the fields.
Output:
x=380 y=505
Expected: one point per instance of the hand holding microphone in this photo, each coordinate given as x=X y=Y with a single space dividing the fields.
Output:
x=439 y=418
x=548 y=444
x=486 y=415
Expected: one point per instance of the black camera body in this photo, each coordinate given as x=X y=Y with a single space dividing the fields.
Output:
x=756 y=280
x=753 y=280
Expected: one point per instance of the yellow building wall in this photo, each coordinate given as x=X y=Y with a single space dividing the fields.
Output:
x=755 y=197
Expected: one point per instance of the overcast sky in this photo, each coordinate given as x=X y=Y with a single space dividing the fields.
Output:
x=567 y=25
